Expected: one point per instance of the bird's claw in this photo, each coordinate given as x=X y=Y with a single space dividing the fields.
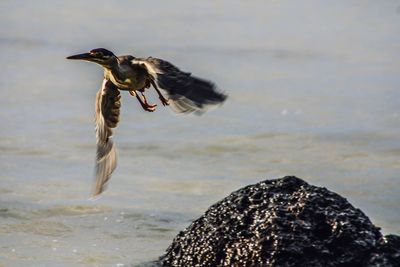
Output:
x=150 y=108
x=164 y=101
x=143 y=102
x=149 y=105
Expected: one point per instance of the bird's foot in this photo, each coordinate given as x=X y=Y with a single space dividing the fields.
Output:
x=150 y=108
x=164 y=101
x=146 y=106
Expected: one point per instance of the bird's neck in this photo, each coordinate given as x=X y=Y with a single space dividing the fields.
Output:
x=114 y=72
x=111 y=65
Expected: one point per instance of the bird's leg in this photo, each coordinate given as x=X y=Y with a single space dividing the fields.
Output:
x=146 y=103
x=143 y=102
x=164 y=101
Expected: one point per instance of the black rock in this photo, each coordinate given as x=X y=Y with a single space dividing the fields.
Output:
x=283 y=222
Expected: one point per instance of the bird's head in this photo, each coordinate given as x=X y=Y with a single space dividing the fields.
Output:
x=100 y=56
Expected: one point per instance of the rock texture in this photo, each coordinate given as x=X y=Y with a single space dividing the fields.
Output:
x=283 y=222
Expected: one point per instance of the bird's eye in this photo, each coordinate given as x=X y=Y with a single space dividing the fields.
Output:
x=96 y=53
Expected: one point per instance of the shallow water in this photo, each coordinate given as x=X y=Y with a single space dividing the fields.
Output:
x=313 y=92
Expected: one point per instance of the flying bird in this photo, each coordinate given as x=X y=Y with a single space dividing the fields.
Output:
x=180 y=90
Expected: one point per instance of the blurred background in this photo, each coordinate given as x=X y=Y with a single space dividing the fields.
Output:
x=313 y=92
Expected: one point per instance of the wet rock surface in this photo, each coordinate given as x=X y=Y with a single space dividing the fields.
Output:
x=283 y=222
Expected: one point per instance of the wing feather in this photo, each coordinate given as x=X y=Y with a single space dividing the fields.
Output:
x=107 y=117
x=188 y=94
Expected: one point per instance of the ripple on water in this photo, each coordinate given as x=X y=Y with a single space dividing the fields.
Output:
x=71 y=210
x=98 y=258
x=28 y=213
x=38 y=227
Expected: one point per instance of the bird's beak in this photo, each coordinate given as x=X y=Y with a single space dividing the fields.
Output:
x=84 y=56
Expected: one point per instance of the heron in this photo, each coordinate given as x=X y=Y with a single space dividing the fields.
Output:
x=180 y=90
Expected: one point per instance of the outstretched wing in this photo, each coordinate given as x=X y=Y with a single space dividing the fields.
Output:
x=187 y=93
x=107 y=116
